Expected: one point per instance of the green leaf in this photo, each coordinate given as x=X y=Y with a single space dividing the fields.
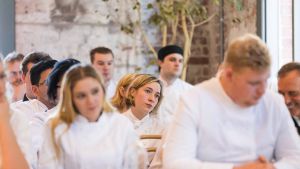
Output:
x=149 y=6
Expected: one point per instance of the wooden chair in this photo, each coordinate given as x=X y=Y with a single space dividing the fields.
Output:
x=151 y=137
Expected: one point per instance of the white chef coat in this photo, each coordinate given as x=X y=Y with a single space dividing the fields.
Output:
x=210 y=131
x=171 y=95
x=22 y=114
x=149 y=125
x=109 y=143
x=110 y=90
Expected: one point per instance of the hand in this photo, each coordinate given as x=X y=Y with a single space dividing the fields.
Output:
x=260 y=163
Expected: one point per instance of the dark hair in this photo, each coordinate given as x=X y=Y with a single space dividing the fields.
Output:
x=13 y=56
x=57 y=74
x=102 y=50
x=37 y=69
x=287 y=68
x=33 y=57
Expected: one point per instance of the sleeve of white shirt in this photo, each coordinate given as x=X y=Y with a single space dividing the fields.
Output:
x=287 y=148
x=47 y=156
x=20 y=125
x=135 y=155
x=181 y=143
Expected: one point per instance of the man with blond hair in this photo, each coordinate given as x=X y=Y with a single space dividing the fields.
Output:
x=232 y=121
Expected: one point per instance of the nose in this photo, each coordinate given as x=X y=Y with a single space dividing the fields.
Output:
x=287 y=99
x=177 y=63
x=262 y=88
x=19 y=76
x=89 y=99
x=106 y=66
x=151 y=98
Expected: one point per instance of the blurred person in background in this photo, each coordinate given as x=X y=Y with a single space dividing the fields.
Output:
x=16 y=85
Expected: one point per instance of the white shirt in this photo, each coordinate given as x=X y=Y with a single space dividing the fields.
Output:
x=110 y=90
x=37 y=128
x=210 y=131
x=29 y=107
x=22 y=114
x=171 y=95
x=109 y=143
x=149 y=125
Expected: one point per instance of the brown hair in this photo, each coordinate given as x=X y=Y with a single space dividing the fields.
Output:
x=102 y=50
x=287 y=68
x=139 y=82
x=118 y=100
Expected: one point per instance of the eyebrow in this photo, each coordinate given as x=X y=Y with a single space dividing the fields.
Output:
x=152 y=89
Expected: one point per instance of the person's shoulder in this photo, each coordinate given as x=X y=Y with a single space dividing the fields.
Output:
x=116 y=117
x=272 y=97
x=272 y=101
x=18 y=104
x=204 y=86
x=119 y=122
x=183 y=83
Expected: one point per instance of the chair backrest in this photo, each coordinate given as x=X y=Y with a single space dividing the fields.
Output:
x=151 y=150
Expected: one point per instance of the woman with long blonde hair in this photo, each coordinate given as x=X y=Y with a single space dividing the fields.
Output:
x=84 y=134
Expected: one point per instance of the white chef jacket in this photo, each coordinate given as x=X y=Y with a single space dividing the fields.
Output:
x=149 y=125
x=210 y=131
x=171 y=95
x=109 y=143
x=20 y=122
x=37 y=128
x=110 y=90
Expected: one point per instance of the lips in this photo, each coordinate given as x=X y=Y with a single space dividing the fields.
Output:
x=92 y=108
x=149 y=106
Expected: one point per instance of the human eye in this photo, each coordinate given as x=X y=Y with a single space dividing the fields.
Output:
x=95 y=91
x=172 y=59
x=2 y=75
x=100 y=63
x=80 y=95
x=253 y=83
x=293 y=93
x=110 y=63
x=147 y=91
x=157 y=95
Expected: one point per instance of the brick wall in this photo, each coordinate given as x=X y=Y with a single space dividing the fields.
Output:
x=206 y=50
x=70 y=28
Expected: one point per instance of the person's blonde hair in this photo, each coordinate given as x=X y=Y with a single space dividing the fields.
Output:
x=247 y=51
x=140 y=81
x=66 y=109
x=118 y=100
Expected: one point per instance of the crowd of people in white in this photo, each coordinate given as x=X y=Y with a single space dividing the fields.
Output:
x=68 y=115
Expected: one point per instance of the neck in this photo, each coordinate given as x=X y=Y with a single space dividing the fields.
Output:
x=106 y=83
x=138 y=114
x=94 y=118
x=49 y=105
x=228 y=89
x=168 y=79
